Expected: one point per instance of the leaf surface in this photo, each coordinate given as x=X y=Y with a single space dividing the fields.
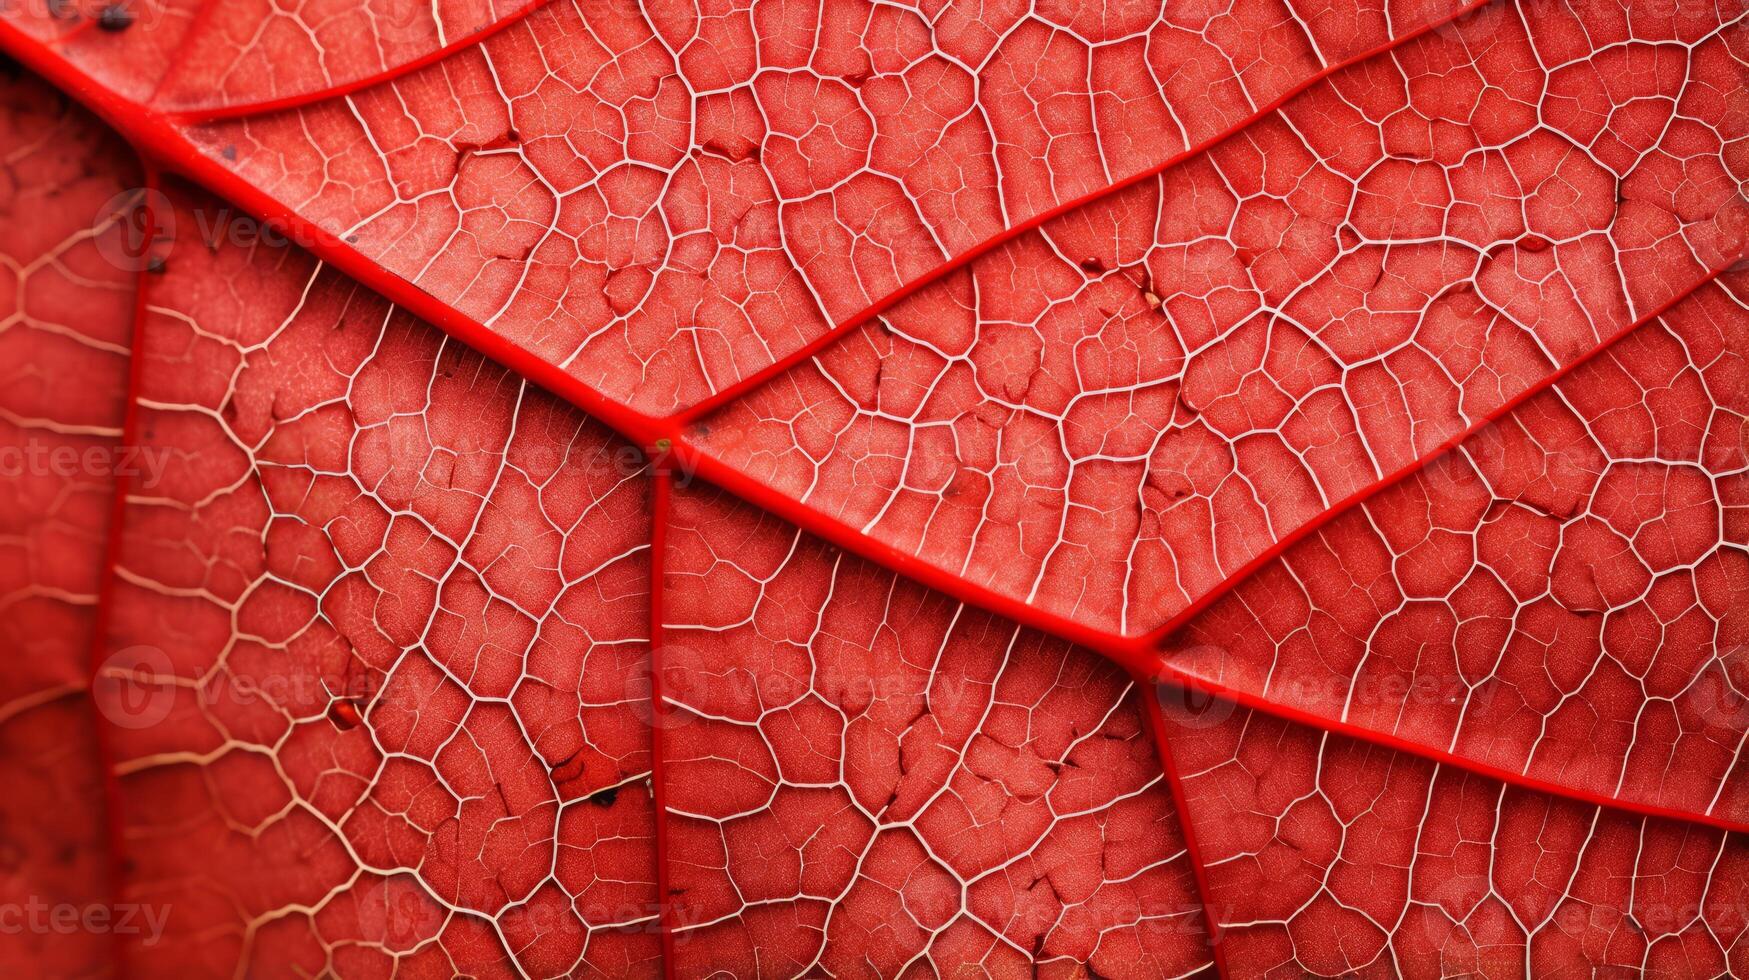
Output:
x=66 y=311
x=701 y=492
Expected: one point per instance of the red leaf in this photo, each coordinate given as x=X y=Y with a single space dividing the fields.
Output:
x=67 y=314
x=403 y=600
x=864 y=776
x=1371 y=379
x=1561 y=598
x=1331 y=857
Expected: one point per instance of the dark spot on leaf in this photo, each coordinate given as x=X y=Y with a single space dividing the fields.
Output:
x=115 y=18
x=471 y=147
x=605 y=798
x=566 y=769
x=156 y=265
x=1092 y=264
x=344 y=714
x=738 y=151
x=1172 y=486
x=892 y=798
x=230 y=152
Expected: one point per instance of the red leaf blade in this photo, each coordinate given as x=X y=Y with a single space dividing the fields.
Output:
x=66 y=312
x=1562 y=597
x=398 y=602
x=1332 y=857
x=866 y=775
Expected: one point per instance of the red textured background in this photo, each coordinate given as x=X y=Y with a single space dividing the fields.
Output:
x=845 y=489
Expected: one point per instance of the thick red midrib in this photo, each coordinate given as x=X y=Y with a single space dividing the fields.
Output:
x=1161 y=635
x=962 y=259
x=662 y=485
x=1144 y=653
x=156 y=136
x=217 y=113
x=114 y=827
x=1157 y=729
x=1246 y=699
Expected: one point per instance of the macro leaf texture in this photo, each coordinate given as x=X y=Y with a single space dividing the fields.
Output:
x=534 y=488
